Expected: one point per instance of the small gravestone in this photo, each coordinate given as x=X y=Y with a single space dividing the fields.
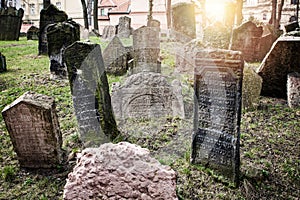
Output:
x=48 y=15
x=116 y=57
x=32 y=123
x=2 y=63
x=147 y=95
x=10 y=23
x=146 y=47
x=59 y=36
x=293 y=90
x=124 y=27
x=218 y=88
x=33 y=33
x=183 y=21
x=292 y=26
x=90 y=93
x=246 y=38
x=109 y=32
x=282 y=59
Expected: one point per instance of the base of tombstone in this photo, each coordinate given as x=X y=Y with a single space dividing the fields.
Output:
x=145 y=67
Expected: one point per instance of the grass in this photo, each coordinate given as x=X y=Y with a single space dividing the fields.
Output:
x=270 y=136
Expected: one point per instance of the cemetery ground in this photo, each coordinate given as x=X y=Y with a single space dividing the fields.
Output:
x=270 y=136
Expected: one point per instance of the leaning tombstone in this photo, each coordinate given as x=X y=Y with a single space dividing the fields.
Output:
x=59 y=36
x=2 y=63
x=146 y=47
x=115 y=57
x=90 y=92
x=217 y=114
x=49 y=15
x=293 y=90
x=33 y=33
x=33 y=126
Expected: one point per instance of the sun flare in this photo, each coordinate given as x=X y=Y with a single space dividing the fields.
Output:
x=215 y=9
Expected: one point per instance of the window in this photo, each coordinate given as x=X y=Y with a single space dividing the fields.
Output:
x=32 y=8
x=264 y=16
x=102 y=12
x=58 y=5
x=23 y=6
x=294 y=2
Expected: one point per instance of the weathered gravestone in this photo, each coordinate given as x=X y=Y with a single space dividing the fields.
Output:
x=2 y=63
x=183 y=21
x=109 y=32
x=146 y=47
x=90 y=93
x=116 y=57
x=218 y=88
x=282 y=59
x=48 y=15
x=10 y=23
x=293 y=90
x=59 y=36
x=124 y=27
x=33 y=126
x=33 y=33
x=147 y=95
x=246 y=38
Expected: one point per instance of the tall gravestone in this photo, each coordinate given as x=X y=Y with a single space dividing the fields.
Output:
x=146 y=47
x=183 y=21
x=2 y=63
x=282 y=59
x=89 y=87
x=124 y=27
x=218 y=88
x=116 y=57
x=10 y=23
x=293 y=90
x=32 y=123
x=48 y=15
x=59 y=36
x=147 y=95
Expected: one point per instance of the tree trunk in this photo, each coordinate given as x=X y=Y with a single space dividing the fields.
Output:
x=239 y=13
x=85 y=14
x=96 y=28
x=274 y=11
x=169 y=10
x=150 y=10
x=277 y=22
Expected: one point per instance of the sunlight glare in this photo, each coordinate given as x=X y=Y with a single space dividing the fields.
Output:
x=215 y=9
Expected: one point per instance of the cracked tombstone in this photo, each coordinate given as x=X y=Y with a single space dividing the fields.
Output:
x=50 y=15
x=59 y=36
x=90 y=92
x=218 y=93
x=33 y=126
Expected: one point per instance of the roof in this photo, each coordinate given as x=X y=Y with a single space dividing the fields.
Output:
x=116 y=5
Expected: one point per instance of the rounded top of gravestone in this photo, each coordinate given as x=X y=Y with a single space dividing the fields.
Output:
x=32 y=98
x=120 y=171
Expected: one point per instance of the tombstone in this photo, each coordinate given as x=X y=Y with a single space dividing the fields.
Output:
x=33 y=33
x=10 y=23
x=84 y=33
x=2 y=63
x=217 y=114
x=147 y=95
x=48 y=15
x=116 y=57
x=90 y=92
x=146 y=47
x=246 y=38
x=291 y=26
x=59 y=36
x=32 y=123
x=183 y=21
x=109 y=32
x=293 y=90
x=153 y=23
x=282 y=59
x=124 y=27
